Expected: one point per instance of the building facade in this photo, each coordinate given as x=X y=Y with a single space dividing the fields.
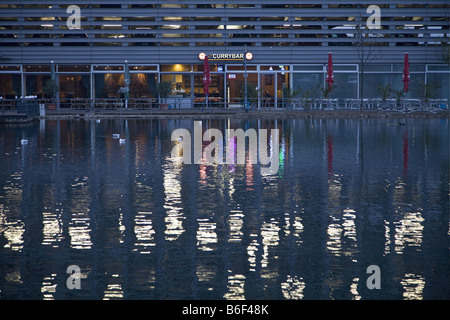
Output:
x=289 y=42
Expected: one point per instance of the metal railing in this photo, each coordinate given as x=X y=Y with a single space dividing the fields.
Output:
x=19 y=107
x=214 y=103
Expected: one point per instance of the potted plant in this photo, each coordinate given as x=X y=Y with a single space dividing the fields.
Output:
x=326 y=93
x=428 y=91
x=385 y=92
x=289 y=96
x=252 y=94
x=164 y=89
x=50 y=90
x=399 y=95
x=307 y=96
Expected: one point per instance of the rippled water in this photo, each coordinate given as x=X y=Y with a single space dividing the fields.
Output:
x=349 y=193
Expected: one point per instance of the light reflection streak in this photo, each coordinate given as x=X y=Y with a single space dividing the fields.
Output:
x=270 y=238
x=48 y=288
x=79 y=225
x=413 y=286
x=144 y=232
x=293 y=288
x=249 y=173
x=408 y=231
x=251 y=253
x=342 y=230
x=205 y=273
x=12 y=228
x=354 y=289
x=52 y=229
x=231 y=153
x=14 y=277
x=235 y=287
x=206 y=234
x=172 y=188
x=79 y=229
x=296 y=225
x=387 y=237
x=114 y=290
x=235 y=224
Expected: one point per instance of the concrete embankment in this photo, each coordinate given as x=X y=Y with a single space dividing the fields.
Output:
x=230 y=113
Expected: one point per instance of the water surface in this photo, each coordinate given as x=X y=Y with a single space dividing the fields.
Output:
x=349 y=193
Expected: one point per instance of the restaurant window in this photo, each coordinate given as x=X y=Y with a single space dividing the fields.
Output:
x=346 y=85
x=440 y=85
x=34 y=84
x=175 y=67
x=143 y=85
x=74 y=68
x=216 y=88
x=37 y=68
x=10 y=85
x=74 y=86
x=107 y=85
x=308 y=83
x=181 y=83
x=236 y=85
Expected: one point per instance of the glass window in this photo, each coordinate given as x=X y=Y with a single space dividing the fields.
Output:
x=275 y=68
x=346 y=85
x=308 y=84
x=344 y=68
x=412 y=67
x=34 y=84
x=236 y=82
x=74 y=86
x=108 y=68
x=440 y=85
x=309 y=68
x=9 y=68
x=36 y=68
x=143 y=68
x=216 y=89
x=175 y=67
x=415 y=85
x=212 y=68
x=74 y=68
x=107 y=85
x=143 y=85
x=434 y=68
x=10 y=85
x=241 y=68
x=374 y=82
x=378 y=68
x=181 y=83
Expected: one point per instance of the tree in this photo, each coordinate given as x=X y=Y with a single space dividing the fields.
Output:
x=385 y=93
x=428 y=91
x=289 y=95
x=50 y=89
x=399 y=94
x=367 y=50
x=445 y=53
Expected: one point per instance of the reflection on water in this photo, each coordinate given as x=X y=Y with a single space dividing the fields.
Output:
x=143 y=225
